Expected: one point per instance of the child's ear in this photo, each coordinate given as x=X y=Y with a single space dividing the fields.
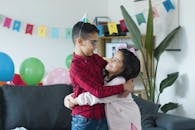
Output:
x=80 y=41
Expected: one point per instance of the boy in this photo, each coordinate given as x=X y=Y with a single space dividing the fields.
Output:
x=87 y=76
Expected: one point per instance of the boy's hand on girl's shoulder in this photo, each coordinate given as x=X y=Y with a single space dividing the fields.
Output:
x=129 y=86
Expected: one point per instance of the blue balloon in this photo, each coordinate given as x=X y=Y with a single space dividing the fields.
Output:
x=6 y=67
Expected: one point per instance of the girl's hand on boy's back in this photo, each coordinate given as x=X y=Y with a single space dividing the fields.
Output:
x=69 y=101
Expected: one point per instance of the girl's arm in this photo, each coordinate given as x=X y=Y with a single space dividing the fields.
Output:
x=89 y=99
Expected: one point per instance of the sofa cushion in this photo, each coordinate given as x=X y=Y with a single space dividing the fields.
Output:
x=154 y=128
x=174 y=122
x=148 y=111
x=146 y=107
x=36 y=107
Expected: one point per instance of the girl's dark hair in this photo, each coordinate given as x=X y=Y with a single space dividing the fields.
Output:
x=131 y=65
x=82 y=29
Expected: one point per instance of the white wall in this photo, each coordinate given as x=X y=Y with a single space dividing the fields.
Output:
x=61 y=14
x=183 y=90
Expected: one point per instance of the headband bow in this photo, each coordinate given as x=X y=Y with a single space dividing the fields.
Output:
x=132 y=49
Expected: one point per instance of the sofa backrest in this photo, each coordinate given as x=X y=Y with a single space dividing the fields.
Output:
x=34 y=107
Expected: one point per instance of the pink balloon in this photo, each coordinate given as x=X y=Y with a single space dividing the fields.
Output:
x=57 y=76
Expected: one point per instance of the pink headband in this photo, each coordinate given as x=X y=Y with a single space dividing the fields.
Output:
x=132 y=49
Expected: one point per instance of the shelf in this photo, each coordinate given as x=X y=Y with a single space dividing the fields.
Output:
x=114 y=37
x=107 y=39
x=172 y=49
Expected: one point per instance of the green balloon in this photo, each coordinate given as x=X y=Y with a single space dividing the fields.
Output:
x=68 y=60
x=32 y=71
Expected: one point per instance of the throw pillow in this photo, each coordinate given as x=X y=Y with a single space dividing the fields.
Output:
x=148 y=110
x=36 y=107
x=148 y=121
x=146 y=107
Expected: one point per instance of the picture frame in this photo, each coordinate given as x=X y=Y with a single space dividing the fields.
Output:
x=112 y=47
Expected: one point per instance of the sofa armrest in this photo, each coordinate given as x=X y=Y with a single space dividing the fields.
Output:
x=173 y=122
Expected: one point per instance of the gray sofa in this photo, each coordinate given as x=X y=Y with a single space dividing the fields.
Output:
x=153 y=120
x=41 y=108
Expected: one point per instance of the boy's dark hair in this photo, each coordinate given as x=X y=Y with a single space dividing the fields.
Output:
x=131 y=64
x=82 y=29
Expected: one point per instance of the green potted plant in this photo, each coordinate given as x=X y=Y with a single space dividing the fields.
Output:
x=150 y=56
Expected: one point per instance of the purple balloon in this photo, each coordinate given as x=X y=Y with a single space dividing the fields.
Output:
x=57 y=76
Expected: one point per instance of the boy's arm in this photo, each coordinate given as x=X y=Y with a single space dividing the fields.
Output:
x=89 y=99
x=90 y=80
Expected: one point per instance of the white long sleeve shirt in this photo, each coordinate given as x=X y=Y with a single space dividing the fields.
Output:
x=121 y=113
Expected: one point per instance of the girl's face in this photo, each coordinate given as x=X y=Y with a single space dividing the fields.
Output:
x=115 y=65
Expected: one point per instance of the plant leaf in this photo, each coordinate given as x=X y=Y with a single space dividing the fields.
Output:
x=168 y=81
x=169 y=106
x=149 y=41
x=132 y=28
x=165 y=43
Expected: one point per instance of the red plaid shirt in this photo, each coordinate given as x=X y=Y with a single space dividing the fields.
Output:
x=86 y=74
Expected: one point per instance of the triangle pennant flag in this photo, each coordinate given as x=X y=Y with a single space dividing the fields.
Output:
x=1 y=18
x=112 y=28
x=168 y=5
x=100 y=28
x=42 y=31
x=29 y=29
x=123 y=25
x=7 y=22
x=140 y=18
x=55 y=33
x=155 y=12
x=16 y=25
x=68 y=33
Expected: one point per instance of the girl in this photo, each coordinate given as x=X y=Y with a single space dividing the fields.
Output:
x=121 y=113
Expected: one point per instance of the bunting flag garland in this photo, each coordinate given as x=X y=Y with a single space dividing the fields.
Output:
x=112 y=28
x=100 y=28
x=168 y=5
x=29 y=29
x=140 y=18
x=16 y=25
x=155 y=12
x=1 y=18
x=123 y=25
x=7 y=22
x=42 y=31
x=55 y=32
x=68 y=33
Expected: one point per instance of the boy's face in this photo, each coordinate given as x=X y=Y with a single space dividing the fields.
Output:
x=87 y=46
x=115 y=65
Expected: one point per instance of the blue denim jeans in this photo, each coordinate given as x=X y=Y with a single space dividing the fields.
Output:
x=82 y=123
